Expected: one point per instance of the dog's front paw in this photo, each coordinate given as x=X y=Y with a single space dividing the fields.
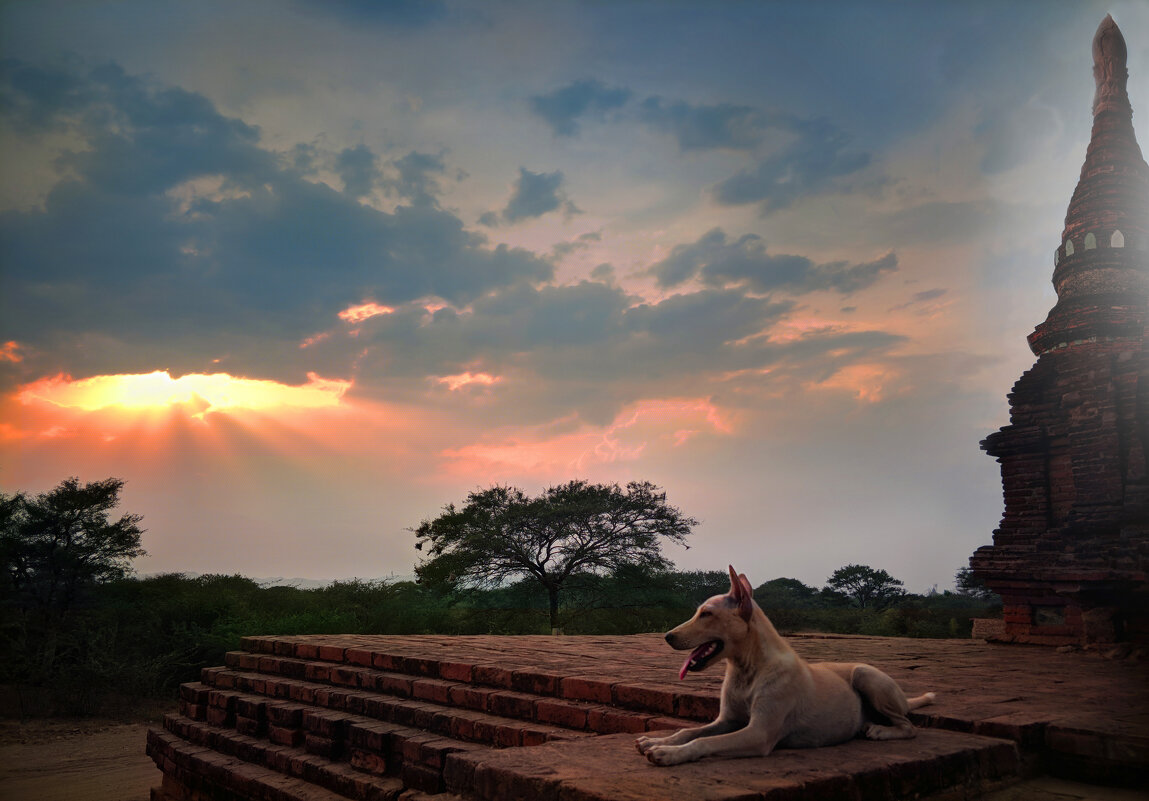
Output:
x=643 y=744
x=664 y=755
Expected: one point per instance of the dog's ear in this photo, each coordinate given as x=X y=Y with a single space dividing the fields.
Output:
x=742 y=594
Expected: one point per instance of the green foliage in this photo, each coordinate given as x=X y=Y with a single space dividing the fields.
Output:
x=970 y=585
x=864 y=586
x=57 y=545
x=569 y=532
x=79 y=631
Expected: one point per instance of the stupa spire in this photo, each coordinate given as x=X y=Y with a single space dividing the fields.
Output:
x=1100 y=270
x=1109 y=67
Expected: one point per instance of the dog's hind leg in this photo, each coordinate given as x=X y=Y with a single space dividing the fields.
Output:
x=883 y=695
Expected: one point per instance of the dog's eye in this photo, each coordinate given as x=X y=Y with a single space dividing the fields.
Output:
x=705 y=613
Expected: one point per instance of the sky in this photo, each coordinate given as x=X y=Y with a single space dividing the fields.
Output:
x=302 y=273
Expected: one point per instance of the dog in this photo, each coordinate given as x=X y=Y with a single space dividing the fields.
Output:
x=771 y=697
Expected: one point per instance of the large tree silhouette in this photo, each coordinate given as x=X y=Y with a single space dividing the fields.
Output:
x=865 y=586
x=575 y=528
x=56 y=544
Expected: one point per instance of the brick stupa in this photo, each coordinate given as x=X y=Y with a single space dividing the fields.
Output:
x=1071 y=556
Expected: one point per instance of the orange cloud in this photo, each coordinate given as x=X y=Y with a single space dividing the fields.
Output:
x=869 y=383
x=459 y=380
x=364 y=311
x=8 y=352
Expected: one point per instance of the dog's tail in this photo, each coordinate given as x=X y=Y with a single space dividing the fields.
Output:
x=921 y=700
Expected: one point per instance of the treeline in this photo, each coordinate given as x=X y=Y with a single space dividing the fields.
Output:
x=133 y=638
x=79 y=634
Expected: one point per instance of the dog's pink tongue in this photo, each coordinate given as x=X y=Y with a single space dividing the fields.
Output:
x=693 y=655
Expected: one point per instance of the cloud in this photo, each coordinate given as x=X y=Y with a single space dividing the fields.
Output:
x=920 y=298
x=533 y=195
x=717 y=261
x=563 y=108
x=812 y=165
x=418 y=177
x=397 y=13
x=358 y=167
x=171 y=219
x=699 y=127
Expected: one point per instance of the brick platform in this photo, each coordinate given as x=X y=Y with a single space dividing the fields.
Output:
x=317 y=718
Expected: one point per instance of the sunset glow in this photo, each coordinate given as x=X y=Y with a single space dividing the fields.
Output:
x=302 y=273
x=208 y=393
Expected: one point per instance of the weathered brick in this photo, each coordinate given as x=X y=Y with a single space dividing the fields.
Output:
x=358 y=656
x=368 y=761
x=644 y=697
x=491 y=675
x=282 y=735
x=455 y=671
x=431 y=690
x=697 y=707
x=535 y=681
x=512 y=705
x=561 y=714
x=584 y=689
x=331 y=653
x=615 y=721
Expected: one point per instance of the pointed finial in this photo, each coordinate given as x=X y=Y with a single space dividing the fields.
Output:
x=1109 y=70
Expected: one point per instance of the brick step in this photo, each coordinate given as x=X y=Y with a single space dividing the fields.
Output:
x=461 y=659
x=289 y=723
x=356 y=688
x=193 y=772
x=353 y=756
x=936 y=764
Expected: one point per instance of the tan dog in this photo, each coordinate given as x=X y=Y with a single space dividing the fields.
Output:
x=771 y=697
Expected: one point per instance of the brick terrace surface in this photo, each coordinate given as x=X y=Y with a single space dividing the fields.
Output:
x=375 y=717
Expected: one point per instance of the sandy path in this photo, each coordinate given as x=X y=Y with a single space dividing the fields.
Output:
x=76 y=762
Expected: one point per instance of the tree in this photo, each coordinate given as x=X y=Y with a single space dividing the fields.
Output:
x=54 y=545
x=571 y=529
x=865 y=586
x=970 y=585
x=785 y=593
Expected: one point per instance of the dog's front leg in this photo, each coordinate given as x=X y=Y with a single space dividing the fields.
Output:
x=753 y=740
x=683 y=736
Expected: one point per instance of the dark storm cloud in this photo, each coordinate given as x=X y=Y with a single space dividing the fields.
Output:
x=717 y=261
x=812 y=165
x=562 y=108
x=172 y=219
x=533 y=195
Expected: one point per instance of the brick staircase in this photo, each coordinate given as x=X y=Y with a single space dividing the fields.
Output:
x=490 y=718
x=284 y=718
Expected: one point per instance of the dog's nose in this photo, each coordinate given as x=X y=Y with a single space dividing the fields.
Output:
x=670 y=637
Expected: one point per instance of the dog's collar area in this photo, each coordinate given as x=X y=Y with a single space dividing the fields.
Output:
x=700 y=657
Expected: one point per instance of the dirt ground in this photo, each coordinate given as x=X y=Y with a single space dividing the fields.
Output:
x=75 y=760
x=91 y=760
